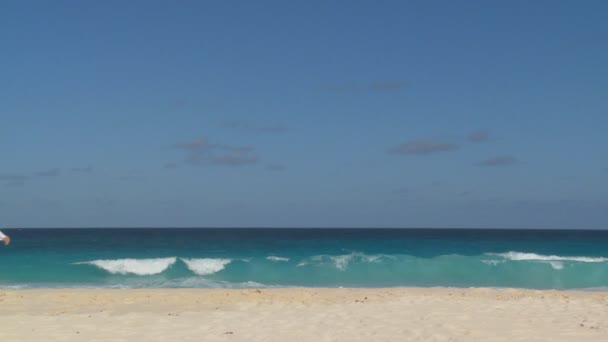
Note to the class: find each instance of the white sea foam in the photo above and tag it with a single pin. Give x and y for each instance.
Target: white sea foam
(341, 262)
(492, 262)
(208, 283)
(17, 287)
(133, 266)
(152, 283)
(206, 266)
(518, 256)
(598, 288)
(193, 282)
(557, 265)
(276, 258)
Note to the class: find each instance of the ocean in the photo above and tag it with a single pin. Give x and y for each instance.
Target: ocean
(265, 257)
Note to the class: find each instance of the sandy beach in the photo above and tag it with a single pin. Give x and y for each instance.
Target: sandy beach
(404, 314)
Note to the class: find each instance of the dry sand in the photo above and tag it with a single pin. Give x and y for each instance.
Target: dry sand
(303, 315)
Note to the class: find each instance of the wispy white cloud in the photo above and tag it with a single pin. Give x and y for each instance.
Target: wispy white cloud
(499, 161)
(249, 127)
(49, 173)
(88, 169)
(356, 87)
(201, 152)
(479, 136)
(13, 177)
(422, 147)
(386, 86)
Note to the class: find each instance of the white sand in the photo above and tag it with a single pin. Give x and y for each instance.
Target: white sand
(303, 315)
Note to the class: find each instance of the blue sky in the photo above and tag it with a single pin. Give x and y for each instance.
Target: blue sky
(310, 114)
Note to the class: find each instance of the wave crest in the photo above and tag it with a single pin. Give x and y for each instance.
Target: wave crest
(341, 262)
(206, 266)
(276, 258)
(133, 266)
(519, 256)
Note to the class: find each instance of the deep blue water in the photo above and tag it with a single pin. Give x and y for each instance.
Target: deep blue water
(176, 257)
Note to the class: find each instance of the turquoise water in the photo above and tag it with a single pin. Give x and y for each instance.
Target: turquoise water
(209, 258)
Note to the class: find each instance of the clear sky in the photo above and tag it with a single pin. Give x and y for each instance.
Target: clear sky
(304, 114)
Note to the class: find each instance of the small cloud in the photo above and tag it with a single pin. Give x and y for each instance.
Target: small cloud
(179, 103)
(47, 203)
(49, 173)
(401, 191)
(235, 158)
(193, 145)
(235, 125)
(275, 167)
(245, 126)
(385, 86)
(88, 169)
(356, 87)
(15, 183)
(128, 178)
(567, 178)
(342, 87)
(201, 152)
(422, 147)
(170, 165)
(182, 102)
(499, 161)
(272, 129)
(479, 136)
(13, 177)
(214, 104)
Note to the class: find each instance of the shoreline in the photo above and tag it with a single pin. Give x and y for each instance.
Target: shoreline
(17, 288)
(304, 314)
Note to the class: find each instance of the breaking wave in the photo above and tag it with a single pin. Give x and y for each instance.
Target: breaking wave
(341, 262)
(145, 267)
(206, 266)
(276, 258)
(519, 256)
(133, 266)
